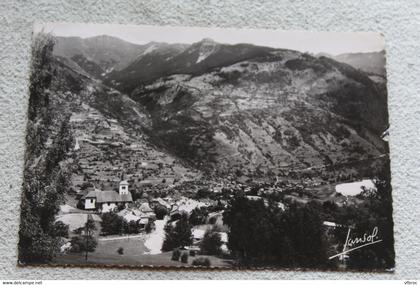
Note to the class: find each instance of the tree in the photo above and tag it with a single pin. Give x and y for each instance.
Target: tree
(37, 240)
(85, 241)
(112, 224)
(44, 185)
(41, 73)
(302, 226)
(60, 229)
(160, 212)
(198, 216)
(83, 244)
(131, 227)
(374, 211)
(177, 236)
(261, 234)
(247, 222)
(211, 243)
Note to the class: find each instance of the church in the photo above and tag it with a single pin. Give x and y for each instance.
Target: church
(106, 201)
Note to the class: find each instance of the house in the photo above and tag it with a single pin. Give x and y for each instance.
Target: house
(134, 215)
(332, 224)
(145, 211)
(145, 208)
(161, 202)
(105, 201)
(198, 235)
(224, 239)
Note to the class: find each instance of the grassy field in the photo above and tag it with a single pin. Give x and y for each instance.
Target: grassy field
(135, 253)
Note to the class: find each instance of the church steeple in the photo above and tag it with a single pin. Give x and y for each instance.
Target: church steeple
(123, 190)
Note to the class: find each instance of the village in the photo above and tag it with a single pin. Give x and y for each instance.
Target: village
(139, 237)
(124, 194)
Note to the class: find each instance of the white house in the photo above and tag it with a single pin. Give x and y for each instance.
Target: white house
(105, 201)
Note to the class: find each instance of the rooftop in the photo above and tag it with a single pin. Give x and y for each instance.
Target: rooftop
(108, 196)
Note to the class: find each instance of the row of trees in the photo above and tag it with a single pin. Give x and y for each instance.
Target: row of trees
(262, 234)
(112, 224)
(180, 235)
(375, 211)
(45, 180)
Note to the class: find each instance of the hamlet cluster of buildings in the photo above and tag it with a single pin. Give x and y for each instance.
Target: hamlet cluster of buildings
(110, 200)
(103, 201)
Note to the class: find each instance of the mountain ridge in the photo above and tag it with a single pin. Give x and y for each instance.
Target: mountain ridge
(226, 109)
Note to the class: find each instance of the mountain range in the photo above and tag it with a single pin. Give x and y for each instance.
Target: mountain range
(372, 63)
(235, 109)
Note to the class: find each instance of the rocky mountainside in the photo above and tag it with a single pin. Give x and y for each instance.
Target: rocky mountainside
(166, 59)
(244, 109)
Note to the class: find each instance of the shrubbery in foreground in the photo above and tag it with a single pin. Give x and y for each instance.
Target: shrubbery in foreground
(201, 261)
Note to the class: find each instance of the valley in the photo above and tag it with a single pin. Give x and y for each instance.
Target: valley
(143, 142)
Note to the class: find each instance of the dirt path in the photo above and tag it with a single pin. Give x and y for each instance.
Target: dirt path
(121, 237)
(155, 240)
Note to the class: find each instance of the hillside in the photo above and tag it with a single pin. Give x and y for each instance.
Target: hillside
(370, 62)
(98, 55)
(284, 110)
(167, 59)
(107, 129)
(246, 110)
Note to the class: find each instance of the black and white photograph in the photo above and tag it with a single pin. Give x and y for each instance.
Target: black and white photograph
(176, 147)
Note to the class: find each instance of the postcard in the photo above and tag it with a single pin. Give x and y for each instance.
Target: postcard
(207, 148)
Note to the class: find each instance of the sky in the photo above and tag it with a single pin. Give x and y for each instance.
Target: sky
(333, 43)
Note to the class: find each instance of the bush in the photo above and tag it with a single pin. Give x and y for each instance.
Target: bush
(120, 250)
(201, 261)
(81, 204)
(184, 257)
(176, 254)
(192, 252)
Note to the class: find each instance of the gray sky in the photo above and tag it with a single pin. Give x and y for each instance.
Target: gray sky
(314, 42)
